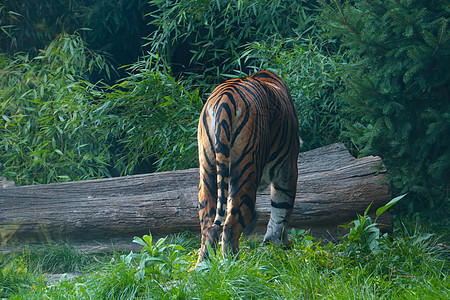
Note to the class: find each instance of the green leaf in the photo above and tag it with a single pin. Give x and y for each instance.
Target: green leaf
(42, 91)
(367, 209)
(389, 204)
(139, 241)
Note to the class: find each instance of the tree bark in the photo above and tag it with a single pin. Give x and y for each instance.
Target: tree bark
(332, 188)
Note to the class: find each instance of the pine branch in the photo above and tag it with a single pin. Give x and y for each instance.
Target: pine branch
(440, 38)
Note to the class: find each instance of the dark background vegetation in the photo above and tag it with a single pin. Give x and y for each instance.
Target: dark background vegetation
(93, 89)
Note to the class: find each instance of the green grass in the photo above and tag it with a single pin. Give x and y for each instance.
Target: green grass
(409, 265)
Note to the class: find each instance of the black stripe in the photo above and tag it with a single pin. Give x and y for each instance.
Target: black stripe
(282, 205)
(222, 169)
(202, 205)
(221, 147)
(211, 213)
(210, 181)
(205, 128)
(241, 220)
(226, 108)
(242, 124)
(283, 221)
(247, 200)
(290, 193)
(234, 190)
(237, 211)
(208, 162)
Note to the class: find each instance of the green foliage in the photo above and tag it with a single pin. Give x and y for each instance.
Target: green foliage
(56, 126)
(46, 128)
(206, 37)
(152, 118)
(56, 258)
(364, 235)
(32, 25)
(313, 79)
(409, 267)
(121, 282)
(14, 276)
(398, 88)
(160, 259)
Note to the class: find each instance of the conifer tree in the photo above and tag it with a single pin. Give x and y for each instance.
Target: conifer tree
(398, 88)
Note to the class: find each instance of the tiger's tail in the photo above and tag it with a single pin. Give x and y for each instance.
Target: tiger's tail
(222, 119)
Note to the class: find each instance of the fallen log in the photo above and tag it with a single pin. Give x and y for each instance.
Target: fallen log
(332, 188)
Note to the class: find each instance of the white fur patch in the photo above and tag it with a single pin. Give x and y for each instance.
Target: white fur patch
(212, 123)
(238, 113)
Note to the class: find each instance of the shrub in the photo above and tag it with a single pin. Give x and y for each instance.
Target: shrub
(397, 87)
(104, 25)
(152, 120)
(46, 127)
(57, 126)
(206, 37)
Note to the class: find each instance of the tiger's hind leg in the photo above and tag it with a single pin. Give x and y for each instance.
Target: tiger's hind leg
(240, 213)
(207, 197)
(283, 190)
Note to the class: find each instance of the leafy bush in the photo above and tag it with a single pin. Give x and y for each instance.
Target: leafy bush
(160, 260)
(56, 126)
(206, 37)
(364, 235)
(46, 127)
(32, 25)
(398, 88)
(313, 79)
(151, 118)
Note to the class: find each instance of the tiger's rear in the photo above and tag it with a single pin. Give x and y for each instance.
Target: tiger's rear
(247, 138)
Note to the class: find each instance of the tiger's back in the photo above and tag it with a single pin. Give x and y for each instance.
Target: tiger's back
(247, 137)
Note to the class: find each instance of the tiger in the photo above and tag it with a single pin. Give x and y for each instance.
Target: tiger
(248, 138)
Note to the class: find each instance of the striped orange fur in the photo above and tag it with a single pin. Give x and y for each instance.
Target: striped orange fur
(247, 138)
